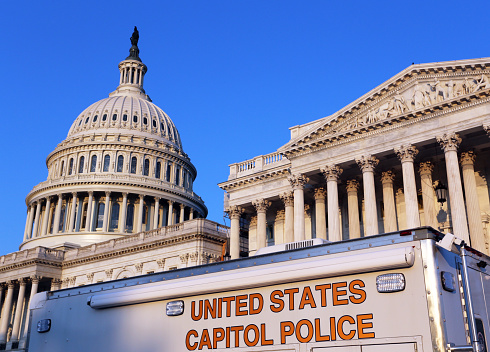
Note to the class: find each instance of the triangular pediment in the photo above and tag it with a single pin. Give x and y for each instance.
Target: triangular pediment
(418, 91)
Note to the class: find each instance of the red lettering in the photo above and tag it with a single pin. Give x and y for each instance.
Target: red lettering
(236, 330)
(318, 335)
(228, 301)
(210, 309)
(307, 298)
(260, 300)
(336, 293)
(193, 309)
(205, 341)
(277, 303)
(323, 290)
(239, 304)
(284, 332)
(359, 294)
(309, 336)
(255, 341)
(361, 325)
(340, 327)
(290, 292)
(263, 340)
(217, 338)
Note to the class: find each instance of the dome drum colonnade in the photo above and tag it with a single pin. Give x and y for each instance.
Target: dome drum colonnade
(465, 216)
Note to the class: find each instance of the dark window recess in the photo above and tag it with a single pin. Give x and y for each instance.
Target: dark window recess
(133, 165)
(161, 126)
(93, 163)
(146, 167)
(114, 117)
(125, 117)
(86, 120)
(145, 120)
(104, 117)
(158, 169)
(135, 118)
(120, 163)
(95, 117)
(81, 120)
(80, 166)
(155, 123)
(107, 161)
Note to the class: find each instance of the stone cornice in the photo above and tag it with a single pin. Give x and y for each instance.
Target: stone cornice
(272, 174)
(339, 138)
(142, 248)
(30, 262)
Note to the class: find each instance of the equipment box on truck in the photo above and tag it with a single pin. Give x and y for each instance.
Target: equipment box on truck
(415, 290)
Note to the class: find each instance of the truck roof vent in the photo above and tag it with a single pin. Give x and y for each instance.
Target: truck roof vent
(291, 245)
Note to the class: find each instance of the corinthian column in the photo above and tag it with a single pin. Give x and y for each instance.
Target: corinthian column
(7, 308)
(235, 212)
(261, 206)
(406, 154)
(72, 214)
(107, 207)
(34, 287)
(367, 165)
(88, 225)
(472, 204)
(387, 179)
(122, 213)
(353, 208)
(57, 214)
(140, 214)
(30, 219)
(18, 311)
(321, 223)
(182, 207)
(332, 174)
(288, 200)
(170, 220)
(36, 219)
(428, 194)
(156, 211)
(449, 143)
(297, 183)
(44, 227)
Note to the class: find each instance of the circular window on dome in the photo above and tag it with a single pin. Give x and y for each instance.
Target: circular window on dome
(95, 118)
(86, 120)
(125, 117)
(114, 117)
(104, 117)
(145, 120)
(135, 118)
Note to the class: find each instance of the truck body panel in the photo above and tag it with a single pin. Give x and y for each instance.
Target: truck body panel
(309, 299)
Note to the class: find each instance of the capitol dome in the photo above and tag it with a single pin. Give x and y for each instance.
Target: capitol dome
(121, 170)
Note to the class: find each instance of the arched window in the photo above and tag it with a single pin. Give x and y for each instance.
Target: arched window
(133, 165)
(130, 218)
(93, 163)
(62, 218)
(62, 170)
(135, 118)
(107, 162)
(100, 215)
(114, 117)
(120, 163)
(154, 123)
(114, 217)
(70, 167)
(146, 167)
(104, 117)
(168, 174)
(158, 169)
(95, 118)
(84, 216)
(125, 117)
(80, 166)
(145, 120)
(177, 175)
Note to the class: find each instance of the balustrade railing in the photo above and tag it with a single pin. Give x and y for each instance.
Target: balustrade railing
(259, 163)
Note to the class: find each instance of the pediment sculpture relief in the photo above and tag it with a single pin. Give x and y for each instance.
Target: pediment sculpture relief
(419, 96)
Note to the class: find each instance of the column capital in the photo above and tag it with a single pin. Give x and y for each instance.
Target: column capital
(35, 278)
(287, 198)
(352, 186)
(235, 211)
(182, 206)
(157, 199)
(449, 141)
(298, 181)
(367, 163)
(170, 202)
(387, 177)
(467, 158)
(10, 284)
(426, 168)
(261, 205)
(486, 127)
(107, 193)
(320, 193)
(125, 194)
(406, 153)
(74, 194)
(331, 172)
(90, 193)
(22, 281)
(141, 196)
(399, 192)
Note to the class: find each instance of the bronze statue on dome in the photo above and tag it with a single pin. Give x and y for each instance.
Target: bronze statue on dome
(134, 51)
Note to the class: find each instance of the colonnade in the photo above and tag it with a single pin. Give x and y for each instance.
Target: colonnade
(14, 316)
(102, 212)
(466, 216)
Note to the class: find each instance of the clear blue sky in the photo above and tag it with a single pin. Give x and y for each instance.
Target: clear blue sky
(232, 75)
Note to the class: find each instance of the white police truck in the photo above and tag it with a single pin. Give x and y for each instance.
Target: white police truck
(414, 290)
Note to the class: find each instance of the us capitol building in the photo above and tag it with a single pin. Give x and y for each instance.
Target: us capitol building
(118, 202)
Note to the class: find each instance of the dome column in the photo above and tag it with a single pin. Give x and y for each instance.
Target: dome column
(170, 213)
(36, 219)
(191, 214)
(30, 219)
(73, 211)
(26, 228)
(182, 209)
(107, 207)
(156, 213)
(44, 228)
(122, 213)
(88, 225)
(57, 214)
(140, 213)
